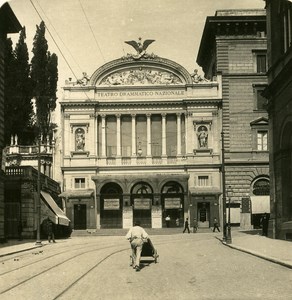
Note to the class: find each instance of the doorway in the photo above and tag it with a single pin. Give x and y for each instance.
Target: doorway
(80, 216)
(203, 215)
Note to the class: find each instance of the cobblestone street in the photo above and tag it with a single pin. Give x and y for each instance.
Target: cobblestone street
(195, 266)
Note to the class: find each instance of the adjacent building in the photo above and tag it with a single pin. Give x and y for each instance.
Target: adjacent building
(8, 24)
(234, 44)
(278, 93)
(141, 140)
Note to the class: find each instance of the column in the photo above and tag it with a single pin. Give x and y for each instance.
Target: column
(178, 138)
(186, 132)
(163, 134)
(103, 139)
(118, 135)
(149, 134)
(133, 134)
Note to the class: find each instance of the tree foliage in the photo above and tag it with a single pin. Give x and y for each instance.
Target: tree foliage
(18, 92)
(28, 85)
(44, 75)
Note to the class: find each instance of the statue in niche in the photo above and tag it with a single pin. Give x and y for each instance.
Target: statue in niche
(203, 137)
(79, 139)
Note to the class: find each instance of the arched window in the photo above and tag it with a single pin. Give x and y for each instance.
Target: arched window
(142, 188)
(172, 187)
(261, 187)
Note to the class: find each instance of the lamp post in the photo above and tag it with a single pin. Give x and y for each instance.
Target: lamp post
(38, 217)
(223, 187)
(228, 236)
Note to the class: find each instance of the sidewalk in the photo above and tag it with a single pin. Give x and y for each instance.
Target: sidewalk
(276, 251)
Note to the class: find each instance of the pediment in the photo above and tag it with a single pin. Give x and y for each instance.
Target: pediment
(260, 121)
(142, 72)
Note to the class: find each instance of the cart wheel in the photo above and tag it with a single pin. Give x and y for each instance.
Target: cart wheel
(155, 256)
(131, 261)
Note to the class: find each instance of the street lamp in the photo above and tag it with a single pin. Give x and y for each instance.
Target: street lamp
(223, 189)
(228, 235)
(38, 216)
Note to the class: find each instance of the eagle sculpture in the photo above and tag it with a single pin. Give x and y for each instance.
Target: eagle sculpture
(139, 47)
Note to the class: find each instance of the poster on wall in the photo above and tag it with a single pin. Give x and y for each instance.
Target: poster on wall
(111, 204)
(172, 203)
(142, 203)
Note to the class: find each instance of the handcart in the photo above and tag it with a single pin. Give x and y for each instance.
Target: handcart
(148, 251)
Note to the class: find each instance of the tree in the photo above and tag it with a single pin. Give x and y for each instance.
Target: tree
(9, 94)
(18, 104)
(44, 75)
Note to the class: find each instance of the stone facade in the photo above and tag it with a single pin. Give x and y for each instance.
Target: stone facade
(8, 24)
(238, 52)
(279, 98)
(141, 140)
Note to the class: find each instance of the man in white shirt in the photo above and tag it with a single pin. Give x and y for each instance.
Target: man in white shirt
(136, 235)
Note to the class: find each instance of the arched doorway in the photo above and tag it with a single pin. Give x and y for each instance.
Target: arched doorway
(111, 206)
(260, 199)
(141, 201)
(172, 200)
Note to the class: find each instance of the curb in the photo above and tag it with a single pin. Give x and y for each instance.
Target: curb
(21, 250)
(273, 260)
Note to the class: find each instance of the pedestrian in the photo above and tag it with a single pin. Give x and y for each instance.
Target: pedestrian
(186, 225)
(265, 224)
(51, 231)
(177, 222)
(216, 225)
(137, 236)
(195, 225)
(167, 221)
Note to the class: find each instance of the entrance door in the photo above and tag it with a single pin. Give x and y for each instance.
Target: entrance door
(203, 215)
(144, 216)
(80, 216)
(12, 216)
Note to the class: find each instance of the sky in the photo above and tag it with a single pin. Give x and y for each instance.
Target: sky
(85, 34)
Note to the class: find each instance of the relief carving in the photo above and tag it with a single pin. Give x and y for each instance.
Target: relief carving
(142, 77)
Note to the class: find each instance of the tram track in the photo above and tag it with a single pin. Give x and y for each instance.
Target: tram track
(65, 251)
(55, 266)
(58, 265)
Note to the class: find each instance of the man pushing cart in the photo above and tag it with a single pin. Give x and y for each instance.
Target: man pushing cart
(137, 237)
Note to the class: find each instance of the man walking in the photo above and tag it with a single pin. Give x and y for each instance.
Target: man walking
(187, 225)
(51, 230)
(216, 225)
(136, 235)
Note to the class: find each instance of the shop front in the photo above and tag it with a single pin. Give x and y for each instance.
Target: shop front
(123, 201)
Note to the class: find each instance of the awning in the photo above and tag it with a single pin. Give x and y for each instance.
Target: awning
(82, 193)
(260, 204)
(62, 218)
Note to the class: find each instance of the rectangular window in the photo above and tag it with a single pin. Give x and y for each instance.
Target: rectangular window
(262, 140)
(260, 100)
(79, 183)
(203, 180)
(261, 60)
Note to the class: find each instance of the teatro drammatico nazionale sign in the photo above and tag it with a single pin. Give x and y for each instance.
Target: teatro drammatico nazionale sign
(170, 203)
(175, 93)
(111, 204)
(142, 203)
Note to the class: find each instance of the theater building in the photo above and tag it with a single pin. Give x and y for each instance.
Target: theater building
(141, 140)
